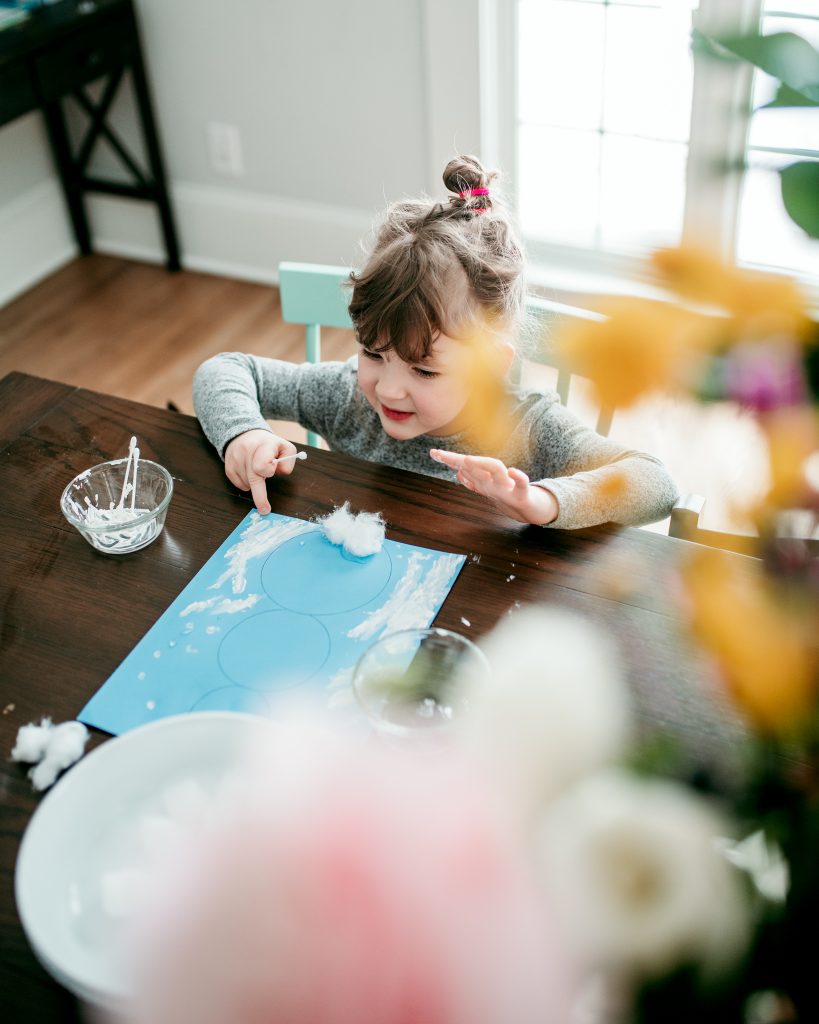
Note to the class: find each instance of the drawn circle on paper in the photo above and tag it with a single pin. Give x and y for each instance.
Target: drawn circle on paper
(274, 650)
(308, 574)
(233, 698)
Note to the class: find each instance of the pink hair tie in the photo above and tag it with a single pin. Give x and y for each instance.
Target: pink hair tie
(474, 192)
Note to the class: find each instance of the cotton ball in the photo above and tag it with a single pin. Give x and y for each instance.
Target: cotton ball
(159, 836)
(32, 741)
(554, 708)
(366, 535)
(122, 892)
(337, 524)
(186, 802)
(66, 744)
(360, 535)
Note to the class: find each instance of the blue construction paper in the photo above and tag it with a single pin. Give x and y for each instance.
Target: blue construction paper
(276, 610)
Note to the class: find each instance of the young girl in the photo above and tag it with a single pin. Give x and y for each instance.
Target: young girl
(436, 309)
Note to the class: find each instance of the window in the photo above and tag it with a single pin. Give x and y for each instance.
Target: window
(766, 235)
(621, 136)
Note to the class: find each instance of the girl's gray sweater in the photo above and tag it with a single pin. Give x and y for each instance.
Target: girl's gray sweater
(233, 393)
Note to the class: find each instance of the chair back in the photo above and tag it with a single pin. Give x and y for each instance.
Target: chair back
(795, 528)
(314, 295)
(684, 524)
(545, 317)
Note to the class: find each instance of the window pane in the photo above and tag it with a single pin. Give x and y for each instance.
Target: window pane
(767, 235)
(648, 72)
(785, 127)
(559, 184)
(561, 62)
(664, 4)
(642, 193)
(806, 7)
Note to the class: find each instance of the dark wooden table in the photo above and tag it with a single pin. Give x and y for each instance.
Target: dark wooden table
(70, 614)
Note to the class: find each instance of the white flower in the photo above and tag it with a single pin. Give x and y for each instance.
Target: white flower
(764, 862)
(634, 865)
(554, 709)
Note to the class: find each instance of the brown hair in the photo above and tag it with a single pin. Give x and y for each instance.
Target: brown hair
(436, 267)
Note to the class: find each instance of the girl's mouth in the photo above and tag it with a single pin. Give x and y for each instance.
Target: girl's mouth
(395, 414)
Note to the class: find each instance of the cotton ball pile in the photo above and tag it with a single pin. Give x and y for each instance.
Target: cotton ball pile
(50, 748)
(152, 840)
(359, 534)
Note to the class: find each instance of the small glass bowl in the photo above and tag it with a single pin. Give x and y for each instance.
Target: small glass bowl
(91, 504)
(411, 682)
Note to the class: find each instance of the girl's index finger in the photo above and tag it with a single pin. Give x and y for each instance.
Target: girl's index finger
(451, 459)
(258, 489)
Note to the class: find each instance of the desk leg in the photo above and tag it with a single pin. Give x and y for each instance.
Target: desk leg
(143, 98)
(72, 189)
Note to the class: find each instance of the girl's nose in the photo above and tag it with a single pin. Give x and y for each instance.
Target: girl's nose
(391, 382)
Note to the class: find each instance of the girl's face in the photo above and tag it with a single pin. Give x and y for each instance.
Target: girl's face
(412, 399)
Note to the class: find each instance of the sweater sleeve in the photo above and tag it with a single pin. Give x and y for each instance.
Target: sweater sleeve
(233, 392)
(596, 480)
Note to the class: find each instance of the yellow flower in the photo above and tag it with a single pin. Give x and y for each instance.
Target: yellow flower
(792, 435)
(611, 485)
(641, 346)
(759, 305)
(483, 363)
(764, 645)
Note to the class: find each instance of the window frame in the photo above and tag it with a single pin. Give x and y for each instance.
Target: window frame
(721, 110)
(470, 86)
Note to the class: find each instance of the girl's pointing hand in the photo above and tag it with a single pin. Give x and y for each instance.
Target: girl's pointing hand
(510, 489)
(250, 459)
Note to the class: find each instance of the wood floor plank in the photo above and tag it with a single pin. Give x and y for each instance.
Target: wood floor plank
(133, 330)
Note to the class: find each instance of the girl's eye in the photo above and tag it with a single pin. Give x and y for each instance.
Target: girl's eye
(426, 374)
(371, 355)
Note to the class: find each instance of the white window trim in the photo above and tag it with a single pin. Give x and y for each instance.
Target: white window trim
(718, 134)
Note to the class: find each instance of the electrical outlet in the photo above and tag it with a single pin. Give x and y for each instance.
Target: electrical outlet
(225, 149)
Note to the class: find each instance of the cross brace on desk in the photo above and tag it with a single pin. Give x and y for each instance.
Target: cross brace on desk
(55, 54)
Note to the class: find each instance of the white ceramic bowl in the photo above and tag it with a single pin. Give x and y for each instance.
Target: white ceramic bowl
(83, 833)
(90, 503)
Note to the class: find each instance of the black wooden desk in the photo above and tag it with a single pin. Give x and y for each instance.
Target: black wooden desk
(56, 53)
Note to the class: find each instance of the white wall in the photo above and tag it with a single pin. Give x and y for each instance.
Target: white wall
(341, 107)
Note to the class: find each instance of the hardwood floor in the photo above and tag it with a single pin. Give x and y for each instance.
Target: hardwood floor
(134, 330)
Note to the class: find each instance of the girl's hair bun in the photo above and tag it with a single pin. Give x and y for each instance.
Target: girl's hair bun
(464, 173)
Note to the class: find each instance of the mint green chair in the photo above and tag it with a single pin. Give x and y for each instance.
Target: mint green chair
(544, 316)
(314, 295)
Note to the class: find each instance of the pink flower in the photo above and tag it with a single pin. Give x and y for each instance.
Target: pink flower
(765, 376)
(352, 883)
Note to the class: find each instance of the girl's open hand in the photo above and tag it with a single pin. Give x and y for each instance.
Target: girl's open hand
(508, 488)
(250, 460)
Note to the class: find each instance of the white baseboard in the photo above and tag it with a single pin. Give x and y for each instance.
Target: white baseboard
(221, 231)
(35, 238)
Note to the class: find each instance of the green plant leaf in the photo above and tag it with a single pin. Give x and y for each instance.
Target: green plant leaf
(800, 194)
(784, 55)
(787, 97)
